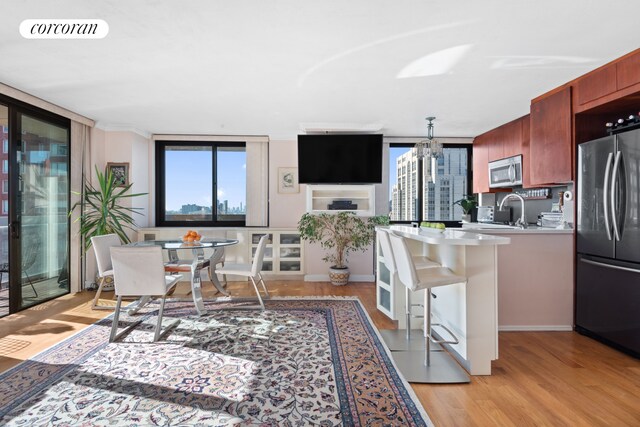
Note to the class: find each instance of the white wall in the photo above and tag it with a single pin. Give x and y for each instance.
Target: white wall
(286, 209)
(122, 147)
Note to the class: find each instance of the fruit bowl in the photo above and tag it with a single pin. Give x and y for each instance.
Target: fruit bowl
(191, 236)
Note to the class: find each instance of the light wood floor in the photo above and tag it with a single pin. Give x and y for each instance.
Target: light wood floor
(541, 378)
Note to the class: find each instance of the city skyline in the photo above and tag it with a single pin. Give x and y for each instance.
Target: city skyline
(184, 167)
(438, 197)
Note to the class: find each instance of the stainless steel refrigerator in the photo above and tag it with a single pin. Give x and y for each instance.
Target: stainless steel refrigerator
(608, 241)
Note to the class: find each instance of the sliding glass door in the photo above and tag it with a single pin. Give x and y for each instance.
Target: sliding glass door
(34, 203)
(4, 210)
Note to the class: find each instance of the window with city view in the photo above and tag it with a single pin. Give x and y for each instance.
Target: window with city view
(413, 196)
(190, 174)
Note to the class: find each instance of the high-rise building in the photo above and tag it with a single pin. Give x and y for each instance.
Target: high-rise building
(438, 197)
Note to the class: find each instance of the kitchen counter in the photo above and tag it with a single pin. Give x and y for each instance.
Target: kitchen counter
(469, 309)
(535, 278)
(475, 227)
(450, 236)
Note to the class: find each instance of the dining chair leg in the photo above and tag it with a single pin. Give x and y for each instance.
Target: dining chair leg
(255, 286)
(116, 318)
(115, 335)
(264, 286)
(142, 301)
(156, 334)
(95, 304)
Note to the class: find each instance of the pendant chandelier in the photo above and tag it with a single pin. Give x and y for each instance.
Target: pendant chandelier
(429, 147)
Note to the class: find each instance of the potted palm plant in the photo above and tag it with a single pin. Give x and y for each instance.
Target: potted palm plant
(468, 203)
(102, 211)
(339, 234)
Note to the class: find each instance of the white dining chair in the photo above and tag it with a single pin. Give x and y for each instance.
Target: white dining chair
(139, 271)
(101, 246)
(399, 339)
(252, 271)
(427, 279)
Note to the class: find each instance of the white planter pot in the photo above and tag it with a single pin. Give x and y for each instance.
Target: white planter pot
(339, 276)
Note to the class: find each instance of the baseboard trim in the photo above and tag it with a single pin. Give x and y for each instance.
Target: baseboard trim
(352, 278)
(535, 328)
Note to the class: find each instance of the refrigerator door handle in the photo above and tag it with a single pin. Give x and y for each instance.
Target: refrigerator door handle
(605, 196)
(614, 184)
(614, 267)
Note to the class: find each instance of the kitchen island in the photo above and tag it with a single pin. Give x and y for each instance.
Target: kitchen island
(535, 278)
(469, 309)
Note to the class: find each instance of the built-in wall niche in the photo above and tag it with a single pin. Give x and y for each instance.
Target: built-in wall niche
(335, 198)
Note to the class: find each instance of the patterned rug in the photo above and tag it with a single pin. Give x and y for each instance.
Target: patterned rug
(300, 362)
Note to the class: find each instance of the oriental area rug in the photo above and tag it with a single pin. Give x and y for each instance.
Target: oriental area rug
(300, 362)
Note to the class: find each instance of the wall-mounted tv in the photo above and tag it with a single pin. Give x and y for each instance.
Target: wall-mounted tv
(340, 159)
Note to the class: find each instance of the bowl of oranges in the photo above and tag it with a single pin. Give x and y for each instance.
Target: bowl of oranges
(191, 236)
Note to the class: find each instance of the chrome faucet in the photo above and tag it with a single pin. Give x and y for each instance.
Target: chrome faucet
(522, 222)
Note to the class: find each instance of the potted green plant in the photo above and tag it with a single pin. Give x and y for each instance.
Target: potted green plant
(339, 234)
(102, 211)
(468, 203)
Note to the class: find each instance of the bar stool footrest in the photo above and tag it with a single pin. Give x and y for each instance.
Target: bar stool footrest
(454, 339)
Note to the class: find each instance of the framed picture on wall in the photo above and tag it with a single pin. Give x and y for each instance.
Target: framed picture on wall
(288, 180)
(120, 172)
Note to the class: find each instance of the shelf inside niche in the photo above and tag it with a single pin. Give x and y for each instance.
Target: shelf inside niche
(320, 196)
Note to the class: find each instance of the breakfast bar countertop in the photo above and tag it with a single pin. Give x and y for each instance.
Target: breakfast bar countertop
(450, 236)
(475, 227)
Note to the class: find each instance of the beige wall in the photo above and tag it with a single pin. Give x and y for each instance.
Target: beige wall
(284, 209)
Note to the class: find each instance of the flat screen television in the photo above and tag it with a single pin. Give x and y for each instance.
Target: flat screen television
(340, 159)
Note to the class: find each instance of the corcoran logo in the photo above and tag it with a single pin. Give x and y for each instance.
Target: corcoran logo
(64, 29)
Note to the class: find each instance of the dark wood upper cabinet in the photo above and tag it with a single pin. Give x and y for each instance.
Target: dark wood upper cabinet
(628, 71)
(550, 148)
(525, 127)
(596, 84)
(512, 138)
(480, 164)
(494, 141)
(504, 141)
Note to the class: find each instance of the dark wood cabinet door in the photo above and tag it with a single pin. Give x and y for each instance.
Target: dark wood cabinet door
(480, 164)
(512, 138)
(525, 127)
(596, 84)
(494, 140)
(550, 151)
(628, 71)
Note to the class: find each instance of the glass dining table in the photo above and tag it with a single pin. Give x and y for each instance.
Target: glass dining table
(173, 247)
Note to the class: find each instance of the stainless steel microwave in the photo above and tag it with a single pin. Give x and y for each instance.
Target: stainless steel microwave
(505, 172)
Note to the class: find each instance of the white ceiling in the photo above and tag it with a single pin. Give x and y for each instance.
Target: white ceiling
(263, 67)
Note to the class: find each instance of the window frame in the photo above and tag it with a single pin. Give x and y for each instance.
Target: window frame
(419, 173)
(161, 181)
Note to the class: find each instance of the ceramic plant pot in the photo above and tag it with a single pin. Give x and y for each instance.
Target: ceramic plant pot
(339, 276)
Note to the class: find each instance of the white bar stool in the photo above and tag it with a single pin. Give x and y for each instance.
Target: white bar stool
(402, 339)
(439, 367)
